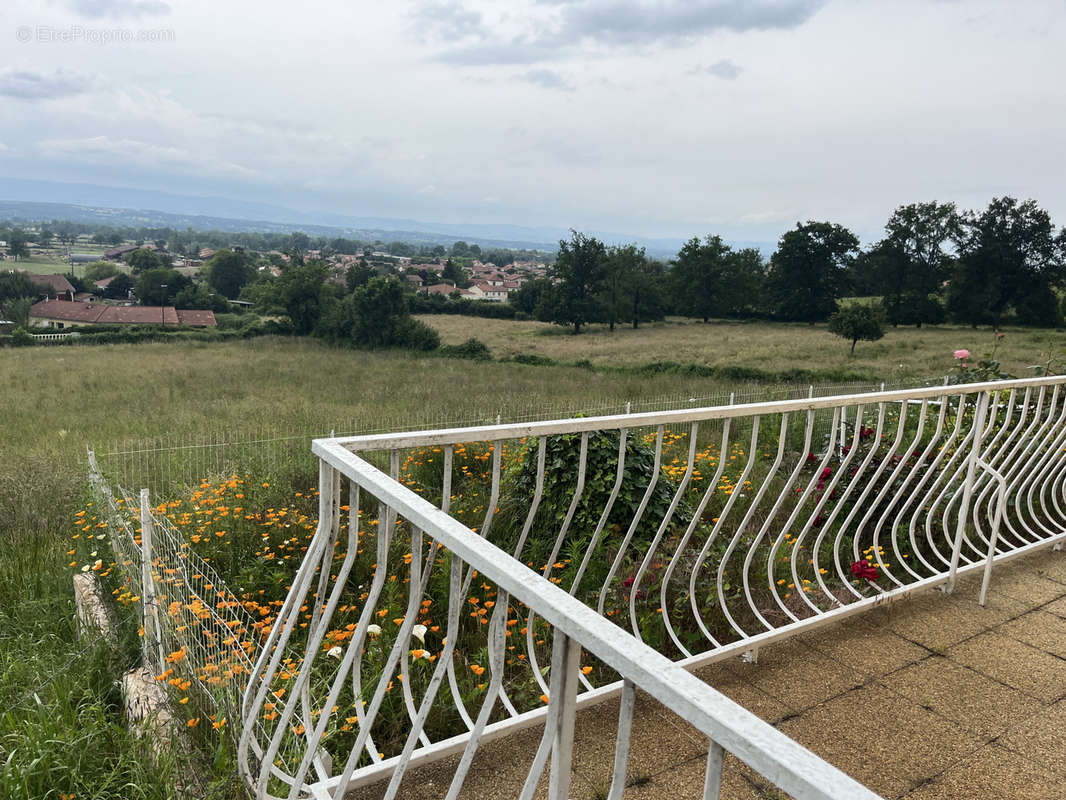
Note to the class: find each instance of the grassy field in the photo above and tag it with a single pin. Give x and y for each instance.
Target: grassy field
(61, 732)
(904, 354)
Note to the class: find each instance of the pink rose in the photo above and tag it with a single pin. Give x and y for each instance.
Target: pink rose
(962, 354)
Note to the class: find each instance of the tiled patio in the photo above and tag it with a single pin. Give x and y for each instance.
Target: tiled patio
(930, 698)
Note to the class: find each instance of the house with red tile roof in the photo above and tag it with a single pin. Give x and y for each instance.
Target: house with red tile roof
(63, 314)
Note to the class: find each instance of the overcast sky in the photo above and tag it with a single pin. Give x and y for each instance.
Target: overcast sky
(668, 118)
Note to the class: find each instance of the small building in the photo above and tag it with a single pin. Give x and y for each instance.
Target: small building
(444, 289)
(6, 326)
(55, 285)
(61, 314)
(117, 253)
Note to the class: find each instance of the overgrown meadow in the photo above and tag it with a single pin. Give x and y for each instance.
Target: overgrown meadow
(62, 734)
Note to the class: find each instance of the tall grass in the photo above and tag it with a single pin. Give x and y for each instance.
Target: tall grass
(905, 354)
(68, 738)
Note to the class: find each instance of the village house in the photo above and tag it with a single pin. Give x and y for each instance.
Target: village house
(55, 285)
(61, 314)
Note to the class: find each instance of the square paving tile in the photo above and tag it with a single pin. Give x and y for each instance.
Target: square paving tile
(897, 731)
(967, 698)
(933, 623)
(797, 675)
(846, 755)
(1040, 629)
(992, 773)
(686, 780)
(1040, 738)
(1052, 566)
(1023, 584)
(871, 651)
(1056, 607)
(1018, 665)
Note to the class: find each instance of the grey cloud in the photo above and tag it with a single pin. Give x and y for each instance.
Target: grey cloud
(719, 69)
(546, 79)
(23, 84)
(634, 23)
(449, 21)
(119, 8)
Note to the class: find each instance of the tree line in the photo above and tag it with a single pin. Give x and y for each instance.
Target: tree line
(934, 263)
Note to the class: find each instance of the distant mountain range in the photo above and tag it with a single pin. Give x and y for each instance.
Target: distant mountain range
(40, 201)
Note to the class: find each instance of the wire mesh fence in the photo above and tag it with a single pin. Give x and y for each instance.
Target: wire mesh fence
(197, 635)
(174, 464)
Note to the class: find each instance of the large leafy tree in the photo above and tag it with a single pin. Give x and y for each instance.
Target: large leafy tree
(621, 267)
(646, 292)
(301, 290)
(701, 277)
(228, 271)
(158, 287)
(1009, 256)
(913, 260)
(809, 270)
(580, 271)
(17, 244)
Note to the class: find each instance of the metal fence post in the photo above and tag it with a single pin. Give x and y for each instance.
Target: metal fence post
(152, 641)
(967, 487)
(564, 692)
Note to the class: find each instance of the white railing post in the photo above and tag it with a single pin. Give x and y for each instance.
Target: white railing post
(967, 487)
(712, 781)
(564, 691)
(152, 641)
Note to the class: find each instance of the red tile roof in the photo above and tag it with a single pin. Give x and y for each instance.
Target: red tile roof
(99, 314)
(56, 283)
(197, 319)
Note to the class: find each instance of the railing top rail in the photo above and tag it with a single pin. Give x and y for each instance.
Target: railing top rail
(394, 441)
(773, 754)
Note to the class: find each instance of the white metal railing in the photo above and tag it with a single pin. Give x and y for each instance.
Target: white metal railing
(418, 625)
(54, 337)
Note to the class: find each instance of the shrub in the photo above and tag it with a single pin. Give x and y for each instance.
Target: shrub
(20, 337)
(472, 348)
(416, 335)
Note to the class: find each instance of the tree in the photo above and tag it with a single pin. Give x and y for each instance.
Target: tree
(301, 290)
(17, 244)
(580, 272)
(46, 237)
(912, 261)
(17, 310)
(454, 274)
(143, 259)
(119, 288)
(228, 271)
(99, 270)
(15, 285)
(857, 322)
(646, 292)
(158, 287)
(809, 270)
(1009, 256)
(619, 273)
(536, 298)
(700, 277)
(357, 275)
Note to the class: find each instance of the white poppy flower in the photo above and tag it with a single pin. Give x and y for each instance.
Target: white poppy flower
(419, 632)
(373, 631)
(335, 652)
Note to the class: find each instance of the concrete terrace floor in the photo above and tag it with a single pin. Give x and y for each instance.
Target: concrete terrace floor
(930, 698)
